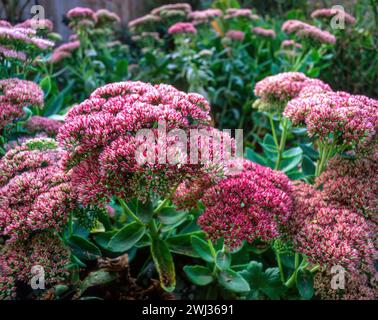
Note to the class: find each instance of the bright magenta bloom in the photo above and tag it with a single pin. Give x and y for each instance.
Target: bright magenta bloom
(247, 205)
(48, 126)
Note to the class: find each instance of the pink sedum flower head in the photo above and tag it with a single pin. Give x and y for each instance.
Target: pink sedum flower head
(107, 18)
(35, 194)
(290, 44)
(306, 31)
(330, 13)
(352, 183)
(233, 13)
(182, 28)
(147, 23)
(275, 91)
(329, 234)
(81, 13)
(101, 138)
(48, 126)
(247, 205)
(266, 33)
(235, 35)
(17, 259)
(186, 7)
(335, 117)
(16, 94)
(40, 24)
(204, 16)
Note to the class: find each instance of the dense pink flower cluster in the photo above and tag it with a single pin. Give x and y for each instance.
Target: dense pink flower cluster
(204, 16)
(290, 44)
(106, 18)
(35, 194)
(247, 205)
(330, 13)
(101, 137)
(267, 33)
(41, 24)
(182, 27)
(233, 13)
(148, 19)
(304, 30)
(21, 43)
(81, 13)
(358, 286)
(352, 183)
(275, 91)
(329, 234)
(17, 260)
(16, 94)
(12, 54)
(235, 35)
(186, 7)
(336, 117)
(64, 51)
(37, 124)
(5, 23)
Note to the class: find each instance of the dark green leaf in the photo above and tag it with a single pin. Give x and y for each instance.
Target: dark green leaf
(233, 281)
(127, 237)
(305, 284)
(83, 248)
(203, 249)
(223, 260)
(164, 264)
(199, 275)
(169, 215)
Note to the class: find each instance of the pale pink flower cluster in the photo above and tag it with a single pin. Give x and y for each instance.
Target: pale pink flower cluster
(106, 18)
(12, 54)
(21, 43)
(100, 135)
(275, 91)
(352, 183)
(328, 234)
(247, 205)
(290, 44)
(37, 124)
(43, 24)
(336, 117)
(233, 13)
(81, 13)
(64, 51)
(16, 94)
(358, 286)
(17, 259)
(204, 16)
(235, 35)
(267, 33)
(182, 28)
(148, 19)
(330, 13)
(304, 30)
(35, 194)
(5, 23)
(186, 7)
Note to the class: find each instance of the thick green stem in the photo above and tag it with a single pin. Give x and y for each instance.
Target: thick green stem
(280, 266)
(281, 147)
(326, 152)
(128, 211)
(293, 278)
